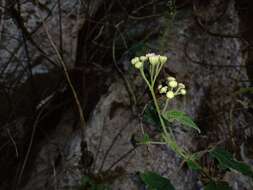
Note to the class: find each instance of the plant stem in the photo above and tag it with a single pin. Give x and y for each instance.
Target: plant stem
(166, 105)
(168, 136)
(159, 112)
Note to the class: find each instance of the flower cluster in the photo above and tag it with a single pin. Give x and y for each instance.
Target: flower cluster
(153, 59)
(172, 88)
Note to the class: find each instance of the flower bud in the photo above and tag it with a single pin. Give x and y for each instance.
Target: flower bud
(183, 91)
(171, 79)
(159, 86)
(154, 60)
(150, 54)
(173, 84)
(163, 59)
(181, 85)
(138, 65)
(135, 60)
(143, 58)
(163, 89)
(170, 94)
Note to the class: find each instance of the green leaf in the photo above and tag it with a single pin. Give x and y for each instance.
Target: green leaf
(180, 117)
(217, 186)
(86, 182)
(244, 91)
(150, 116)
(145, 139)
(226, 160)
(156, 182)
(101, 187)
(193, 165)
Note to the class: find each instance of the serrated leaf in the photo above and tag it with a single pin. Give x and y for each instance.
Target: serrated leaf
(180, 117)
(217, 186)
(156, 182)
(226, 160)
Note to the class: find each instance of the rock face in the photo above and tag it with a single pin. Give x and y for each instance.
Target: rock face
(207, 56)
(56, 164)
(109, 137)
(212, 72)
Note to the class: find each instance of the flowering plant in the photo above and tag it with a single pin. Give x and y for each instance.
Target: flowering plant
(170, 90)
(153, 64)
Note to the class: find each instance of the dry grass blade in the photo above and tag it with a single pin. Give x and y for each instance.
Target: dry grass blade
(61, 61)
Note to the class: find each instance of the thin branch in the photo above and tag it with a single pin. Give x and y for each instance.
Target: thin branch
(60, 27)
(110, 147)
(34, 127)
(13, 142)
(60, 59)
(120, 159)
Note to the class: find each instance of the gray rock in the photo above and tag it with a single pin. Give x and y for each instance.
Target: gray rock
(207, 64)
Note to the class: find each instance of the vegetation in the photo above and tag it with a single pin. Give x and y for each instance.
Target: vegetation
(85, 105)
(152, 64)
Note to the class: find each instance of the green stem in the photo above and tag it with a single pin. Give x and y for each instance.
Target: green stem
(144, 77)
(153, 142)
(166, 105)
(168, 136)
(157, 71)
(158, 111)
(151, 71)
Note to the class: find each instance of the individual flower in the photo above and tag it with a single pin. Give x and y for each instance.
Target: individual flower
(143, 58)
(181, 85)
(150, 54)
(135, 60)
(154, 60)
(159, 86)
(163, 59)
(171, 79)
(138, 65)
(163, 90)
(183, 91)
(173, 83)
(170, 94)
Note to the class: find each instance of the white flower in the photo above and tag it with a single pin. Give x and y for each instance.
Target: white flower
(143, 58)
(163, 59)
(181, 85)
(163, 89)
(138, 65)
(150, 54)
(183, 91)
(135, 60)
(171, 79)
(170, 94)
(173, 83)
(154, 60)
(159, 86)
